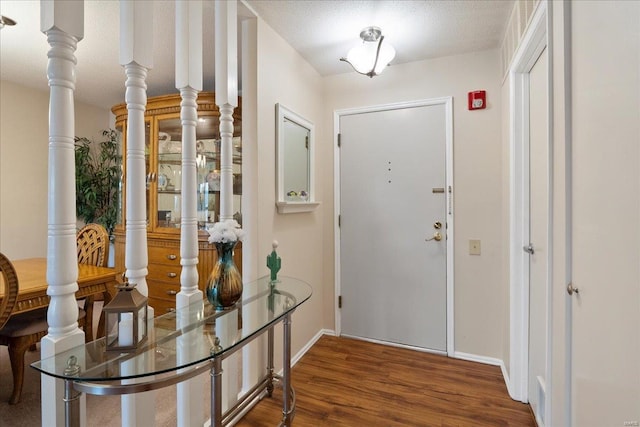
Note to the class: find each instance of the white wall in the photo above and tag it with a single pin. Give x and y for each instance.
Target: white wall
(478, 190)
(24, 150)
(284, 77)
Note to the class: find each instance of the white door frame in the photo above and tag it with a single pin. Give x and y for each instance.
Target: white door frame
(533, 43)
(448, 103)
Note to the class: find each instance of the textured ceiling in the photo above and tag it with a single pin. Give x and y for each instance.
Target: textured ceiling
(99, 76)
(322, 31)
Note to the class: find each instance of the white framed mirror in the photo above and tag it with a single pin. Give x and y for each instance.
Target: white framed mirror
(295, 140)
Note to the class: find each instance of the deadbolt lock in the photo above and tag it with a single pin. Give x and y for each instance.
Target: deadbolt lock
(437, 225)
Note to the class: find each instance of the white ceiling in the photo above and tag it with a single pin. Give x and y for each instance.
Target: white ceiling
(322, 31)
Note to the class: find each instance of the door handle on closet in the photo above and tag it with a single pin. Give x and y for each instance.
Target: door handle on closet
(571, 289)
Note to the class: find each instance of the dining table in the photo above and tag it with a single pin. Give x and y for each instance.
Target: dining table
(32, 281)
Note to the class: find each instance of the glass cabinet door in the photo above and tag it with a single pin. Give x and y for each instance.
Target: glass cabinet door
(120, 210)
(208, 176)
(147, 163)
(169, 172)
(208, 179)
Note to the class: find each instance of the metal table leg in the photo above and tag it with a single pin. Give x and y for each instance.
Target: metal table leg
(270, 362)
(71, 396)
(287, 407)
(216, 392)
(71, 405)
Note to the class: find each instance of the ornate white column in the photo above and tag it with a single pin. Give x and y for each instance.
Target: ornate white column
(62, 22)
(189, 82)
(136, 55)
(226, 59)
(190, 406)
(226, 55)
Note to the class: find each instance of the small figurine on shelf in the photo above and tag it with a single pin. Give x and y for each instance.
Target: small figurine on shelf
(274, 262)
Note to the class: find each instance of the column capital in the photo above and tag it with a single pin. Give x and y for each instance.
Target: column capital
(66, 16)
(136, 33)
(189, 44)
(226, 53)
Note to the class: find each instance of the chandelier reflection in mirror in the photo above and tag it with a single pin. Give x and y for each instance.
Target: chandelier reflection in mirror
(371, 56)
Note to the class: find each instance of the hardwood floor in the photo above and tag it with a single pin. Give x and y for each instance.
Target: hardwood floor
(347, 382)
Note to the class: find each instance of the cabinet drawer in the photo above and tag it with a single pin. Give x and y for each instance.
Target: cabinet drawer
(164, 255)
(165, 273)
(161, 306)
(162, 290)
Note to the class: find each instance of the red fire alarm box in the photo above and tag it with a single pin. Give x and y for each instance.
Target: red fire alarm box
(477, 100)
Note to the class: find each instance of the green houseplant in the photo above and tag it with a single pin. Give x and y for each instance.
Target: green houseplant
(98, 172)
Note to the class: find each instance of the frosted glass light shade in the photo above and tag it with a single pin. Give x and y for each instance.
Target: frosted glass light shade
(387, 53)
(363, 56)
(371, 56)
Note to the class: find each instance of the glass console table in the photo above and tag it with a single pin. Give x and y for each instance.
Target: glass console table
(185, 343)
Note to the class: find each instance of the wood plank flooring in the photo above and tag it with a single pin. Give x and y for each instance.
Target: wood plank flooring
(347, 382)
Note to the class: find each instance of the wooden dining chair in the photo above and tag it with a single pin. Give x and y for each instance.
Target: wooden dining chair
(19, 331)
(92, 243)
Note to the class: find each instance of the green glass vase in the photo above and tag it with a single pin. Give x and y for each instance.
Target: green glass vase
(224, 285)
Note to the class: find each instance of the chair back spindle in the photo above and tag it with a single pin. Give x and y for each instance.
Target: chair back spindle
(93, 245)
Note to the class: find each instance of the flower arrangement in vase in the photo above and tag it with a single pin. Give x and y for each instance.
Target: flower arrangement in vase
(224, 285)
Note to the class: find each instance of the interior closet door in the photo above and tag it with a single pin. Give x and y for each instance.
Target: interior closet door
(392, 182)
(606, 213)
(538, 233)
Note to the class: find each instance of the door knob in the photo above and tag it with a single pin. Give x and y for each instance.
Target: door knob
(571, 289)
(436, 236)
(529, 249)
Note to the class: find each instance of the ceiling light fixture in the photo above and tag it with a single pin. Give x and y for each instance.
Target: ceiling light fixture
(371, 56)
(4, 20)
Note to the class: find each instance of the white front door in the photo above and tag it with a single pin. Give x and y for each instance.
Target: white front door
(538, 233)
(605, 356)
(392, 199)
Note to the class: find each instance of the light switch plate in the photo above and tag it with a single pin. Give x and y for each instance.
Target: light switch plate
(474, 247)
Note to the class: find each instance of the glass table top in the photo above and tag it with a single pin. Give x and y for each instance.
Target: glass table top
(187, 337)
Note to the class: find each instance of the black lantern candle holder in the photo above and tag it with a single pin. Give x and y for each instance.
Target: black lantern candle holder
(126, 319)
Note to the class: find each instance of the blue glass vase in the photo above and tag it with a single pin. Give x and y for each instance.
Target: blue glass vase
(224, 285)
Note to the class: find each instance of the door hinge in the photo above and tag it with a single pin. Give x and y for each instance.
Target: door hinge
(339, 220)
(339, 140)
(306, 142)
(340, 301)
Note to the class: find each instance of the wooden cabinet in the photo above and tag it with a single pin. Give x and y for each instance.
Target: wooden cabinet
(163, 162)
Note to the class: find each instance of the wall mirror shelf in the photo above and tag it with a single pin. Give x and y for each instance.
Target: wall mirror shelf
(295, 140)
